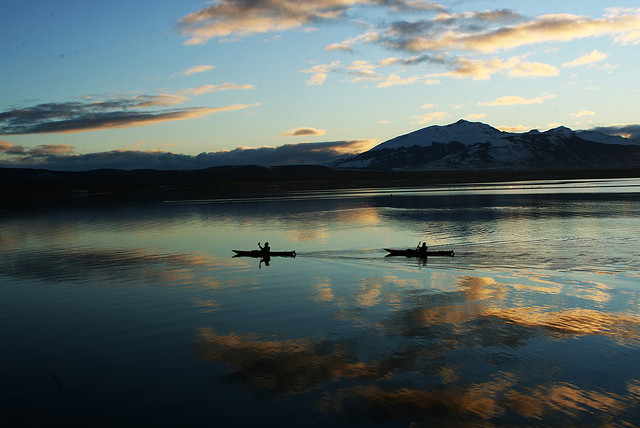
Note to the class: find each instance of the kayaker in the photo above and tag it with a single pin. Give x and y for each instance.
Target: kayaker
(266, 254)
(266, 250)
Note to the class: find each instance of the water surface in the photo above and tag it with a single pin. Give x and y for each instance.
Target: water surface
(139, 314)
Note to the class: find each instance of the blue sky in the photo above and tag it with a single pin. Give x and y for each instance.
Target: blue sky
(328, 76)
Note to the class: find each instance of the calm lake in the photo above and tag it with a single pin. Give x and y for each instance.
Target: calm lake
(139, 315)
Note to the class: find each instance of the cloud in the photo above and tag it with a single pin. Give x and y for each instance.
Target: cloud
(514, 128)
(361, 65)
(412, 60)
(244, 17)
(515, 67)
(437, 39)
(11, 149)
(552, 28)
(583, 113)
(532, 69)
(395, 80)
(631, 131)
(458, 32)
(62, 157)
(476, 116)
(320, 72)
(298, 132)
(198, 69)
(347, 45)
(46, 150)
(511, 100)
(339, 47)
(392, 60)
(366, 75)
(366, 71)
(430, 117)
(317, 79)
(363, 71)
(91, 115)
(445, 31)
(205, 89)
(40, 151)
(289, 154)
(591, 58)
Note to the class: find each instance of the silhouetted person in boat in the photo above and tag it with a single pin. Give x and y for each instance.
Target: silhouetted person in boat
(266, 250)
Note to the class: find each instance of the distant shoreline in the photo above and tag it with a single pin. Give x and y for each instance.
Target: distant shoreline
(29, 186)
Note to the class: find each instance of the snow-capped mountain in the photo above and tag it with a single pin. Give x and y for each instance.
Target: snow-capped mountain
(466, 133)
(478, 146)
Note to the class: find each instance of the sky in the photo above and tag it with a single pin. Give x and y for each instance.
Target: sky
(190, 84)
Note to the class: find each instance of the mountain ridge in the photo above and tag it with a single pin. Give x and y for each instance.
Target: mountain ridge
(467, 145)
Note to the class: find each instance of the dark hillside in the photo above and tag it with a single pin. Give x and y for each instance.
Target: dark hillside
(39, 185)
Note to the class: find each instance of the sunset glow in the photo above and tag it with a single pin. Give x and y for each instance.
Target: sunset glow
(215, 77)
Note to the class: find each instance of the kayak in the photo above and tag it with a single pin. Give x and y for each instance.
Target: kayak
(409, 252)
(259, 253)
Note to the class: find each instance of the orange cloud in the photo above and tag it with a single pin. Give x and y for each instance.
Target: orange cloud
(430, 117)
(584, 113)
(227, 17)
(545, 28)
(198, 69)
(145, 101)
(51, 149)
(590, 58)
(515, 67)
(10, 148)
(510, 100)
(304, 131)
(347, 45)
(514, 128)
(320, 72)
(205, 89)
(78, 117)
(395, 80)
(476, 116)
(40, 151)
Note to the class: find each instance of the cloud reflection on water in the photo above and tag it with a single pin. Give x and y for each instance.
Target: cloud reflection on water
(121, 265)
(480, 403)
(297, 366)
(289, 366)
(438, 357)
(573, 322)
(484, 299)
